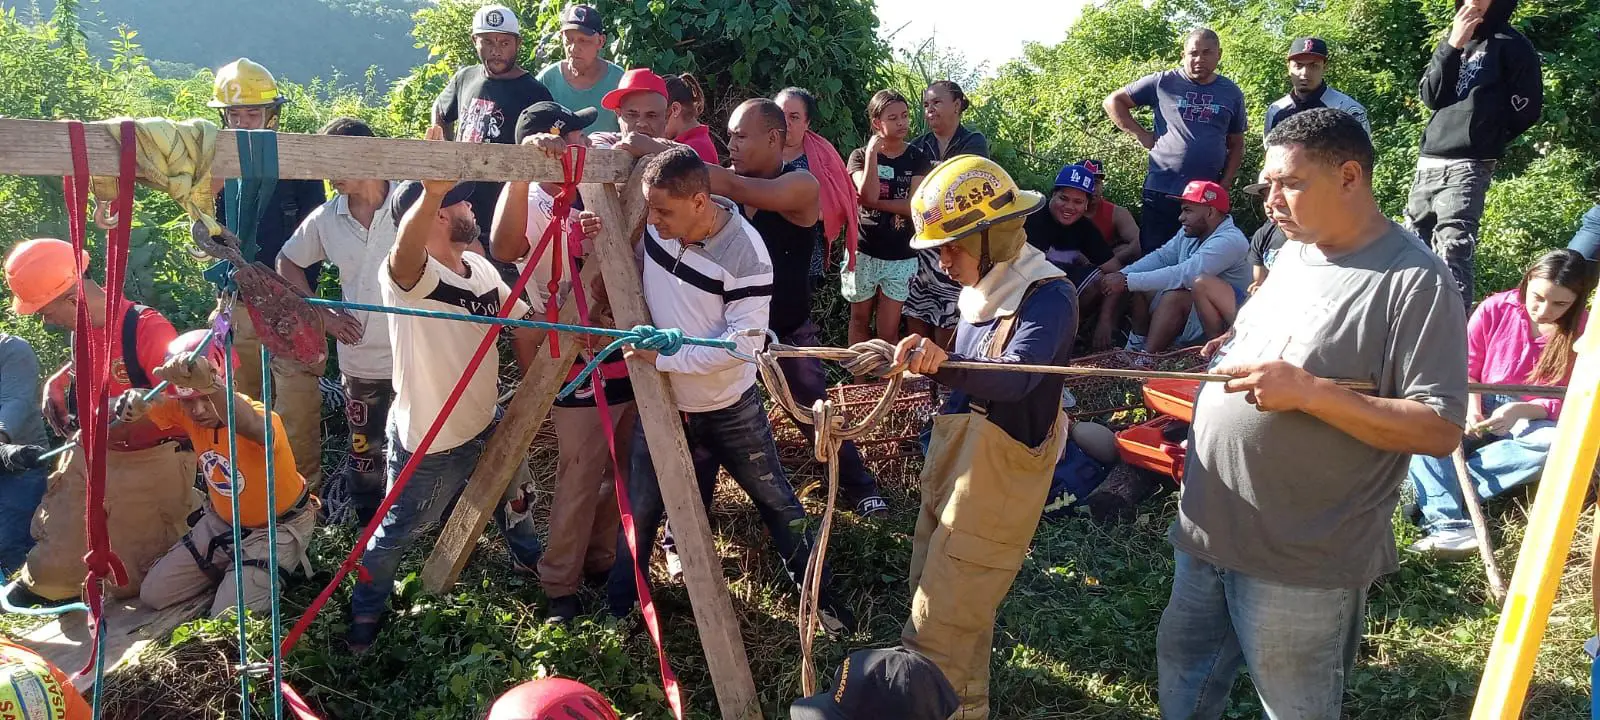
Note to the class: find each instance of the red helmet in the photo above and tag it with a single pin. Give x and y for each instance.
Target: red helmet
(552, 699)
(185, 344)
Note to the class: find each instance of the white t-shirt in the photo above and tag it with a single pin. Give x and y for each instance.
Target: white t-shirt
(540, 208)
(331, 234)
(431, 353)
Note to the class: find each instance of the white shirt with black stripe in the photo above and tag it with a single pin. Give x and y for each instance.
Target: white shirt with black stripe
(430, 354)
(716, 288)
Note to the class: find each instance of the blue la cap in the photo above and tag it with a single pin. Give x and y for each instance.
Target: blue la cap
(1076, 177)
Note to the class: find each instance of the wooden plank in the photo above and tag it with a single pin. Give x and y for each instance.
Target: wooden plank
(40, 147)
(720, 638)
(506, 447)
(130, 627)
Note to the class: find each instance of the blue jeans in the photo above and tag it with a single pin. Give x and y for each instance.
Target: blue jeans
(1444, 209)
(1499, 465)
(427, 498)
(1587, 239)
(738, 438)
(1298, 642)
(20, 494)
(1158, 220)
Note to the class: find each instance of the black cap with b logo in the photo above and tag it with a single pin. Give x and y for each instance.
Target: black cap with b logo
(1308, 47)
(547, 116)
(882, 683)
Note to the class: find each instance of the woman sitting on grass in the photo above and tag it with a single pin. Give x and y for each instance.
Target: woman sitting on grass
(1521, 336)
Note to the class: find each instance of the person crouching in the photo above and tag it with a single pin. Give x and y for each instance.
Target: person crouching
(196, 401)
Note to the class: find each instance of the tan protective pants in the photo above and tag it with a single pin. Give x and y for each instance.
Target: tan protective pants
(583, 514)
(982, 495)
(177, 577)
(296, 396)
(149, 495)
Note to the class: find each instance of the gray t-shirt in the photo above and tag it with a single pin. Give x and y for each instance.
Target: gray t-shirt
(20, 418)
(1284, 496)
(1192, 125)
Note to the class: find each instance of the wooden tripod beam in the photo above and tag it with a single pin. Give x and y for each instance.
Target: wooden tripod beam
(39, 147)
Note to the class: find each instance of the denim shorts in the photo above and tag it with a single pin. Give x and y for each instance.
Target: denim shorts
(871, 275)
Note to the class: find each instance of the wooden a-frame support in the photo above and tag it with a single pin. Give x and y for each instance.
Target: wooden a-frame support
(34, 147)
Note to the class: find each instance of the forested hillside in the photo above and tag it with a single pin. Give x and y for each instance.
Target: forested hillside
(301, 39)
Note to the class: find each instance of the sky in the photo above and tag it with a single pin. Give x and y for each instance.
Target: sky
(994, 35)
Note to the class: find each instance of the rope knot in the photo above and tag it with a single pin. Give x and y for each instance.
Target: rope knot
(874, 357)
(667, 341)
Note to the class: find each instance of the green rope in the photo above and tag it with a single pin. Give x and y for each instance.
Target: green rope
(238, 538)
(667, 341)
(272, 535)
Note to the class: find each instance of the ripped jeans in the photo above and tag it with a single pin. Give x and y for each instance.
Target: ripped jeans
(739, 438)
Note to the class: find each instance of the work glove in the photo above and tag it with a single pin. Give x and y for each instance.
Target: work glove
(197, 374)
(17, 458)
(130, 406)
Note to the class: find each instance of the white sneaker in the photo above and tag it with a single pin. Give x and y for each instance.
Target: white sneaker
(1068, 400)
(674, 566)
(1448, 543)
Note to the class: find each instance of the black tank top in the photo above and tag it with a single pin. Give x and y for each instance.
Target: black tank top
(790, 247)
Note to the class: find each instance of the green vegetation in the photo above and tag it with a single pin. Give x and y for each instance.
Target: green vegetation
(1076, 638)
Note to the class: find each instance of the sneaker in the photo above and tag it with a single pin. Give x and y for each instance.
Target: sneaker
(871, 506)
(1135, 343)
(1447, 543)
(674, 565)
(362, 634)
(1068, 400)
(563, 610)
(836, 619)
(22, 597)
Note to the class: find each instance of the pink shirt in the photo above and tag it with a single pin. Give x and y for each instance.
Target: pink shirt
(1504, 347)
(699, 138)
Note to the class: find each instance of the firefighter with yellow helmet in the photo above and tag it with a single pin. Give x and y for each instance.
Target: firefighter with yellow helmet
(997, 439)
(249, 98)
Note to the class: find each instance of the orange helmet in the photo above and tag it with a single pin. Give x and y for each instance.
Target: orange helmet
(552, 699)
(39, 271)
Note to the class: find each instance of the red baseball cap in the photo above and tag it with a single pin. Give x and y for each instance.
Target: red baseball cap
(635, 80)
(1205, 192)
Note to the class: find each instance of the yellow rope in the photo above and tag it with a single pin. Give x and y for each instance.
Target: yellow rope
(174, 157)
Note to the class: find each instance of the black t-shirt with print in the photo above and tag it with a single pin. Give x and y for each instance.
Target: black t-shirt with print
(1264, 244)
(887, 236)
(485, 109)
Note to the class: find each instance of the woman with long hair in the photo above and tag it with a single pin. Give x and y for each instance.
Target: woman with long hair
(1523, 336)
(685, 103)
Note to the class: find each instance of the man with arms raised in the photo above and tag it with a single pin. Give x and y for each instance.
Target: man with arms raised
(431, 269)
(1291, 481)
(783, 207)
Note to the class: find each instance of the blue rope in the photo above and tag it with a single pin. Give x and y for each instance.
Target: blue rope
(272, 534)
(667, 341)
(238, 538)
(99, 667)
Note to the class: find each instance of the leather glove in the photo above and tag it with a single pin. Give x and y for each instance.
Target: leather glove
(198, 374)
(130, 406)
(17, 458)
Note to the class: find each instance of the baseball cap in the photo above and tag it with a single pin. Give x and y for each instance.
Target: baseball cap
(882, 683)
(551, 117)
(1205, 192)
(1309, 47)
(1095, 167)
(410, 192)
(582, 17)
(1076, 177)
(495, 19)
(1259, 187)
(635, 80)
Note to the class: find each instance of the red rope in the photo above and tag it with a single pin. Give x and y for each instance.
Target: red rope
(652, 622)
(351, 562)
(91, 361)
(571, 171)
